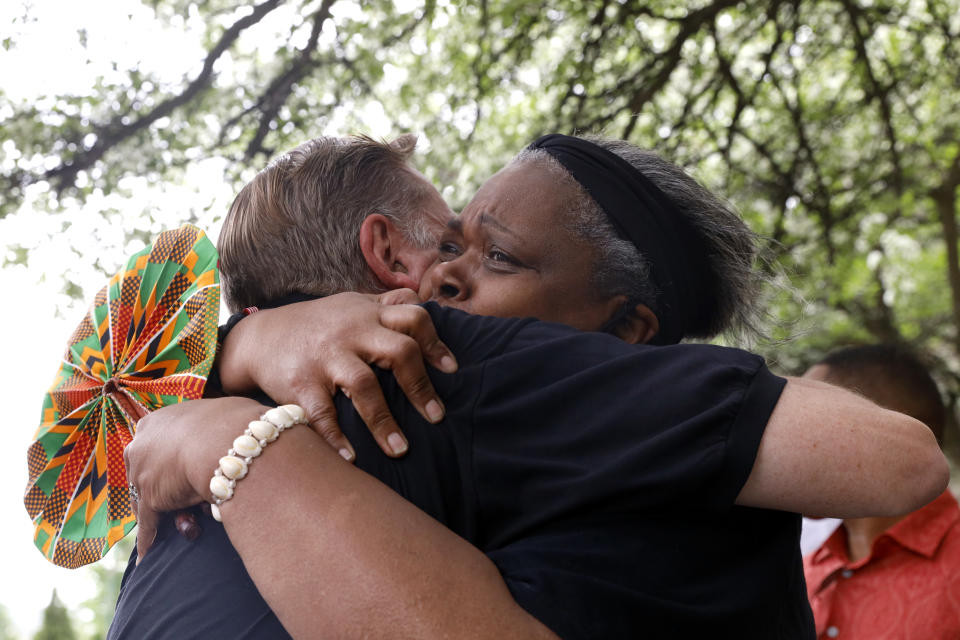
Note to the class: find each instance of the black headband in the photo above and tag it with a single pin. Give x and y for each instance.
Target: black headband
(643, 215)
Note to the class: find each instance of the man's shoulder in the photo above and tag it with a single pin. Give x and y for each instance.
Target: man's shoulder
(489, 335)
(475, 338)
(524, 351)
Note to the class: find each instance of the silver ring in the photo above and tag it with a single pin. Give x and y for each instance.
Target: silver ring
(134, 494)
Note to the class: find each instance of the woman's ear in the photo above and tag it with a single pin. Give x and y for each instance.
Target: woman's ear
(381, 243)
(638, 325)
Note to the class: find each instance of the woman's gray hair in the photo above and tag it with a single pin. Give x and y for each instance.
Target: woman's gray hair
(621, 269)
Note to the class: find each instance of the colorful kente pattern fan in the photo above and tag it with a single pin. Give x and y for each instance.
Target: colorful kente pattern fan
(148, 340)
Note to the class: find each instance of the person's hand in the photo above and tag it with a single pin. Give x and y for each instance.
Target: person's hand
(173, 454)
(304, 353)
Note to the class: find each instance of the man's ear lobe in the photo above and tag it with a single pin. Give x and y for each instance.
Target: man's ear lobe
(638, 326)
(380, 242)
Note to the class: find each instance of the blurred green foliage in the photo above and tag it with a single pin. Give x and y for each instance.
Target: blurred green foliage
(56, 622)
(7, 629)
(832, 124)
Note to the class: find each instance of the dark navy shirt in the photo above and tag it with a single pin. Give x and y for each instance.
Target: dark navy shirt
(599, 477)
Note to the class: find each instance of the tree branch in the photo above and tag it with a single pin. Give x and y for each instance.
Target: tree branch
(878, 92)
(115, 132)
(945, 198)
(669, 60)
(279, 90)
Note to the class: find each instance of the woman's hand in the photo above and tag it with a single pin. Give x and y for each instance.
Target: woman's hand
(304, 353)
(174, 452)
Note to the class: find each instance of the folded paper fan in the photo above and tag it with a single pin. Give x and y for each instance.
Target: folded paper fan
(148, 340)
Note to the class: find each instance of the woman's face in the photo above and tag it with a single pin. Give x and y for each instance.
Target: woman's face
(509, 255)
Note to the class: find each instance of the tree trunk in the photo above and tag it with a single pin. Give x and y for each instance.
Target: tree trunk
(945, 198)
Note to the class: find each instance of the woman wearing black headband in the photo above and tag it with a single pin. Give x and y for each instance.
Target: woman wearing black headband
(663, 267)
(610, 485)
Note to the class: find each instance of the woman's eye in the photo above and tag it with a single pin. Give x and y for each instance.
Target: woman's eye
(499, 256)
(449, 250)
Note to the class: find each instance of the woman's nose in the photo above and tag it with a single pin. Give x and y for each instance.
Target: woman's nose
(448, 283)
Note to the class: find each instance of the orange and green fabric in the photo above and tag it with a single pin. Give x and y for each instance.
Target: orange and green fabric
(148, 341)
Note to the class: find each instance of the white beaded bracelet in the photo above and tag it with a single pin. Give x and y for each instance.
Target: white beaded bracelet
(258, 434)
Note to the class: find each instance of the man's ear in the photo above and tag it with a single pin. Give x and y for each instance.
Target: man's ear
(381, 242)
(638, 326)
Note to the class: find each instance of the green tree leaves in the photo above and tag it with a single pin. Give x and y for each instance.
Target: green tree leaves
(831, 125)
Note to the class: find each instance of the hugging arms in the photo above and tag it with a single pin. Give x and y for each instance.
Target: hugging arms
(672, 468)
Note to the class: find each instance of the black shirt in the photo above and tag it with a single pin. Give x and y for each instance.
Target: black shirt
(598, 476)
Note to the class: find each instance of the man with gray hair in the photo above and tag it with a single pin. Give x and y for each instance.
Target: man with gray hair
(349, 192)
(333, 215)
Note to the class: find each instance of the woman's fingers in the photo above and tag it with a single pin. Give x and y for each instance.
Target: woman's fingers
(317, 403)
(361, 385)
(415, 322)
(402, 355)
(399, 311)
(169, 462)
(330, 344)
(398, 296)
(405, 357)
(133, 459)
(399, 341)
(147, 522)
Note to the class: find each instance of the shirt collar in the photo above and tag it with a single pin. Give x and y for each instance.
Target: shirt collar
(924, 529)
(835, 548)
(920, 532)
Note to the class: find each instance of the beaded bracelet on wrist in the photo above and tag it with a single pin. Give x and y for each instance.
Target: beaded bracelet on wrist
(233, 467)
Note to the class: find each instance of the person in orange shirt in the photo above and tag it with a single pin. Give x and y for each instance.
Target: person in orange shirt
(898, 577)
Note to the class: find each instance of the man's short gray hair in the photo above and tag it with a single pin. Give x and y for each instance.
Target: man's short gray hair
(620, 267)
(294, 227)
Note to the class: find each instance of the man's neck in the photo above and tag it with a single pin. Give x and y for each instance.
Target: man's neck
(861, 532)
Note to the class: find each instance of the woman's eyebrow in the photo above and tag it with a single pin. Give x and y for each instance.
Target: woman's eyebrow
(456, 225)
(487, 219)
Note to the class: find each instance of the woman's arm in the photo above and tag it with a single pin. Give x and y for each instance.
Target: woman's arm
(825, 450)
(303, 353)
(333, 551)
(829, 452)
